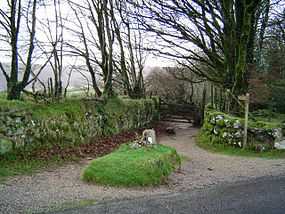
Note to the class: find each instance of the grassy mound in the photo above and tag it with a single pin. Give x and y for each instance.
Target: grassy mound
(133, 167)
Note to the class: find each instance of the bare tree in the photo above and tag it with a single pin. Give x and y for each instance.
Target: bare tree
(174, 85)
(11, 23)
(277, 26)
(214, 33)
(273, 51)
(53, 44)
(131, 55)
(96, 34)
(265, 14)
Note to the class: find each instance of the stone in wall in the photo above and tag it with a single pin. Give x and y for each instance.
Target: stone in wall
(229, 130)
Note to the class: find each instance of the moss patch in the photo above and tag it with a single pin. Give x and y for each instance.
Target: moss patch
(133, 167)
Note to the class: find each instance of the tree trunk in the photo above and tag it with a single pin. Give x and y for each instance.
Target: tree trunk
(14, 91)
(14, 86)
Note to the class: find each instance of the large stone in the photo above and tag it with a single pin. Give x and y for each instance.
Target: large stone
(148, 137)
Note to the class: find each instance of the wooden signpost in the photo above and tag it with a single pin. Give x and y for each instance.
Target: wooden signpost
(245, 98)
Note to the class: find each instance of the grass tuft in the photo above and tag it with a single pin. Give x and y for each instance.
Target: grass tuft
(133, 167)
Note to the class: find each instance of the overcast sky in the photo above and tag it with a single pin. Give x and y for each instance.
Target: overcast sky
(43, 13)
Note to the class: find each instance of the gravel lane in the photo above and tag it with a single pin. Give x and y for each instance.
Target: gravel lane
(61, 187)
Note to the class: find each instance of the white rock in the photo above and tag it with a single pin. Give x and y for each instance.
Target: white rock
(216, 131)
(280, 145)
(148, 137)
(149, 140)
(225, 134)
(237, 124)
(277, 134)
(219, 117)
(135, 146)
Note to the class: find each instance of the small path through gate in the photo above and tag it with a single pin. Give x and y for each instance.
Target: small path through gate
(180, 113)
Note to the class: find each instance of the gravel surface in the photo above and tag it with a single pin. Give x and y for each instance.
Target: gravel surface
(264, 195)
(61, 187)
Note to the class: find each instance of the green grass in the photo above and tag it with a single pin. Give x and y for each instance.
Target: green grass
(15, 104)
(10, 168)
(3, 95)
(114, 106)
(204, 143)
(70, 106)
(133, 167)
(274, 120)
(269, 116)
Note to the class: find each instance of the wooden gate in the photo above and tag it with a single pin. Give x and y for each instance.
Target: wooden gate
(183, 113)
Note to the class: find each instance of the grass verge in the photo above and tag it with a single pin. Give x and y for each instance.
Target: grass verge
(204, 143)
(133, 167)
(26, 167)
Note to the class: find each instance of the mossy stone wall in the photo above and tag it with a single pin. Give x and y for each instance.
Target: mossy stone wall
(226, 129)
(71, 122)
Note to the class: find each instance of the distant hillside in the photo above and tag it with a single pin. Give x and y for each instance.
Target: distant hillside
(77, 80)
